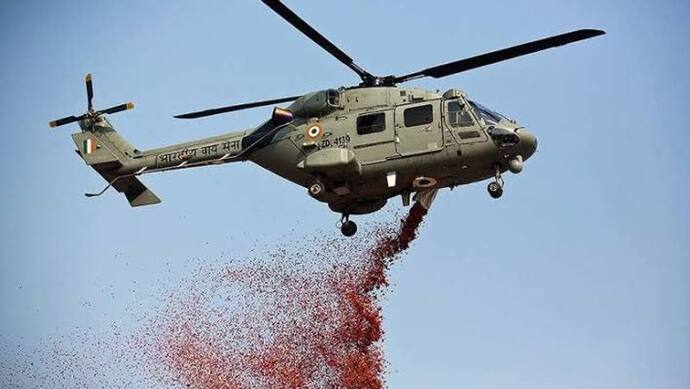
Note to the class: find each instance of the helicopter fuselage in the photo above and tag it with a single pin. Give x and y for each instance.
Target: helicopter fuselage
(390, 141)
(360, 146)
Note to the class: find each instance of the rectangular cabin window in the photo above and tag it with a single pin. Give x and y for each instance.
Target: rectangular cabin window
(369, 124)
(417, 116)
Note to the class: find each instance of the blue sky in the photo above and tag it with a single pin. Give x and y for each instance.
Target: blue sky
(576, 278)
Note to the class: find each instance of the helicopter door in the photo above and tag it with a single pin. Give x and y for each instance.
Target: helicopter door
(375, 139)
(418, 128)
(461, 123)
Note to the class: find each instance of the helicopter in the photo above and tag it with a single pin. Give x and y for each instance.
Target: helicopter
(353, 148)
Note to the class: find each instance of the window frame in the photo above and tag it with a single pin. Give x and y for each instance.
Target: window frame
(369, 114)
(464, 110)
(430, 108)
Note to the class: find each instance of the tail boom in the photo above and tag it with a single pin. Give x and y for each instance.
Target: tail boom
(119, 163)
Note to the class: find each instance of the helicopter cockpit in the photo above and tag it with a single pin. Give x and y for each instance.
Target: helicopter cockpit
(459, 113)
(463, 113)
(502, 134)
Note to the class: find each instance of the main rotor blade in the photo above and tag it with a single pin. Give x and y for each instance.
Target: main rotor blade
(237, 107)
(117, 108)
(89, 90)
(319, 39)
(500, 55)
(66, 120)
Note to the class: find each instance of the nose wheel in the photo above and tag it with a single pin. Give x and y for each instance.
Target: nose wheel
(347, 226)
(495, 187)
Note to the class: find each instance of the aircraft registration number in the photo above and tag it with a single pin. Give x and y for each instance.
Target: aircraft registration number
(338, 141)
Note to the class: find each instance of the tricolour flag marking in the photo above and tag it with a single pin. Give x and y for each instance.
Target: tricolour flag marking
(89, 146)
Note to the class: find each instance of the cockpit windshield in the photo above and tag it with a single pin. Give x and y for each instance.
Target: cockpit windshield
(487, 114)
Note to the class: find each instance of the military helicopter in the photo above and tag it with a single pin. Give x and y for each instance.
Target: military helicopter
(350, 147)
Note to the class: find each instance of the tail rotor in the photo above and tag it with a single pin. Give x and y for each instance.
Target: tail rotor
(90, 114)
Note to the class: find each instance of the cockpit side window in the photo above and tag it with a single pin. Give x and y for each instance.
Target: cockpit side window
(458, 115)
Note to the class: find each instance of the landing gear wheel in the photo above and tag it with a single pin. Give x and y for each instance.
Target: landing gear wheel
(495, 189)
(317, 189)
(348, 228)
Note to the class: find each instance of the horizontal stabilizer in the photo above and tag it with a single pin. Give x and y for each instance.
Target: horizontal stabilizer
(136, 192)
(142, 198)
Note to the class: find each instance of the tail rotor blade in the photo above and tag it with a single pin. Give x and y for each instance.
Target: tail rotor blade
(89, 90)
(66, 120)
(117, 108)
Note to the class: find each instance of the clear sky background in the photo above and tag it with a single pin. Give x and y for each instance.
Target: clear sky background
(576, 278)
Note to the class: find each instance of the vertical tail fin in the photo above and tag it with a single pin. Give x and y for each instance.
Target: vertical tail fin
(100, 145)
(105, 150)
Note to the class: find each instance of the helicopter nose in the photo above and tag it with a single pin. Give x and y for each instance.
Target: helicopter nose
(528, 142)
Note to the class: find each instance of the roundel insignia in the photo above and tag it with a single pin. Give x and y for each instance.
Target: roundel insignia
(313, 132)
